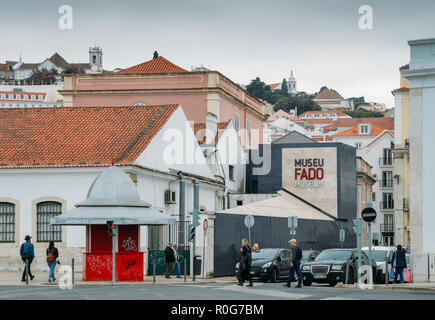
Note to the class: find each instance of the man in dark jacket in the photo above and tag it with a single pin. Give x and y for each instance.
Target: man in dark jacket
(245, 264)
(400, 257)
(170, 260)
(27, 254)
(295, 265)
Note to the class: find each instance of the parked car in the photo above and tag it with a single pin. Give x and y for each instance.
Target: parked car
(309, 255)
(330, 267)
(379, 253)
(270, 264)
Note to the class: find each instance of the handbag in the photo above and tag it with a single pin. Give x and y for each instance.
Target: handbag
(392, 273)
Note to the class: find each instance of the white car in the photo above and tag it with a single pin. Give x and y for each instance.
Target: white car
(379, 253)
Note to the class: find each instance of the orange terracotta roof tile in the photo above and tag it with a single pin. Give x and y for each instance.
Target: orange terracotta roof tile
(384, 122)
(157, 65)
(328, 94)
(78, 135)
(274, 85)
(376, 130)
(402, 89)
(200, 134)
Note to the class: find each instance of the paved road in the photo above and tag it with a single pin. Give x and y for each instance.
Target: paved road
(261, 291)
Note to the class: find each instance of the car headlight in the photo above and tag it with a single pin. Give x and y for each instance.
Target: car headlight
(305, 268)
(336, 267)
(267, 265)
(237, 264)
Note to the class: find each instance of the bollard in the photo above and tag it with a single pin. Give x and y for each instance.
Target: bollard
(185, 263)
(27, 271)
(346, 279)
(387, 274)
(154, 271)
(72, 270)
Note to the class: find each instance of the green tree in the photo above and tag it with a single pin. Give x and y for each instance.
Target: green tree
(284, 87)
(362, 113)
(358, 101)
(43, 76)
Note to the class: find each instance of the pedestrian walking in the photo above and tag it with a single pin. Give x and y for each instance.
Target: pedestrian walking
(177, 263)
(295, 265)
(170, 260)
(27, 254)
(245, 264)
(400, 258)
(52, 256)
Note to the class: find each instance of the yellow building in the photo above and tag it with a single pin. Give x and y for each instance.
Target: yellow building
(401, 163)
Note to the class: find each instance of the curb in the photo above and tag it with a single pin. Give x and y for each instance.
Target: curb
(390, 287)
(138, 283)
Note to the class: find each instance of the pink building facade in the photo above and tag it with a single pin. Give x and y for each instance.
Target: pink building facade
(198, 92)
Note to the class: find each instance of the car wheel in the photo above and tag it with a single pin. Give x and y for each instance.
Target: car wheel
(306, 283)
(273, 276)
(332, 284)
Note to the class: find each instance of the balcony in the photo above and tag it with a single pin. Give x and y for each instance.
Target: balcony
(386, 162)
(386, 183)
(387, 205)
(387, 228)
(406, 204)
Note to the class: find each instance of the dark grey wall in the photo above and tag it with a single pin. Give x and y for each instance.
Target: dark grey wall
(272, 232)
(346, 174)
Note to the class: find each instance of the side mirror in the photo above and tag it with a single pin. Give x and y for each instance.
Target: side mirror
(278, 258)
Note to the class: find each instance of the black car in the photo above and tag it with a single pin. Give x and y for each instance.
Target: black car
(309, 255)
(270, 264)
(330, 267)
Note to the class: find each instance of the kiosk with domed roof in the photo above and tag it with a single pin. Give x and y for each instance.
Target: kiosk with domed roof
(113, 214)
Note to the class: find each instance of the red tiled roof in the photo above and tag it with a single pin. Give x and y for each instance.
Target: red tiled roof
(402, 89)
(79, 135)
(384, 122)
(320, 138)
(376, 130)
(157, 65)
(274, 85)
(328, 94)
(200, 134)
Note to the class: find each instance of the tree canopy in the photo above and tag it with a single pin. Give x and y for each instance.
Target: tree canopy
(280, 97)
(43, 76)
(362, 113)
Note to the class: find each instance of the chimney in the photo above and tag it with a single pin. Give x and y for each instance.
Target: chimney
(210, 127)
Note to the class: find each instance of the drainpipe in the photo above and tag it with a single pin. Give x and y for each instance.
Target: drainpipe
(182, 213)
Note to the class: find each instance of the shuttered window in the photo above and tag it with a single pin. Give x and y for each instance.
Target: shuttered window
(7, 222)
(45, 231)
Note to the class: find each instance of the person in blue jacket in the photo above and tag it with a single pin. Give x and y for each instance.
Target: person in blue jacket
(27, 253)
(400, 257)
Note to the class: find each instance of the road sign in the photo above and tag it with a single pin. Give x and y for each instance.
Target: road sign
(249, 221)
(292, 222)
(205, 225)
(357, 228)
(342, 235)
(368, 214)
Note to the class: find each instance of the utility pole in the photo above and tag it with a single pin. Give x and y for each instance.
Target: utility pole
(195, 221)
(182, 214)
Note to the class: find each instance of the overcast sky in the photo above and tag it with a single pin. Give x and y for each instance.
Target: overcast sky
(320, 40)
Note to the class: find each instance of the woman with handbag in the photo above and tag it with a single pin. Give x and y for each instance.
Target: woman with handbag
(52, 255)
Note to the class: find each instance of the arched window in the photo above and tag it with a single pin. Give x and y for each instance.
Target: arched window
(7, 222)
(46, 232)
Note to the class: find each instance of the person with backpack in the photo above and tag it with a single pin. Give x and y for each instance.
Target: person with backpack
(27, 254)
(400, 258)
(245, 264)
(295, 265)
(52, 255)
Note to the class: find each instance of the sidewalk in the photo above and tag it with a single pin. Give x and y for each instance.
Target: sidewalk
(428, 286)
(12, 278)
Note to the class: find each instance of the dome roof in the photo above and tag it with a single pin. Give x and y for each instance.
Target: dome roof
(113, 187)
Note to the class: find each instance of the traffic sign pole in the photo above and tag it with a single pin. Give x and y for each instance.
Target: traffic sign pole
(369, 237)
(204, 227)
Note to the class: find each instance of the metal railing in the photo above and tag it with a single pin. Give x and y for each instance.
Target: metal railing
(387, 205)
(159, 236)
(405, 203)
(386, 183)
(385, 161)
(389, 227)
